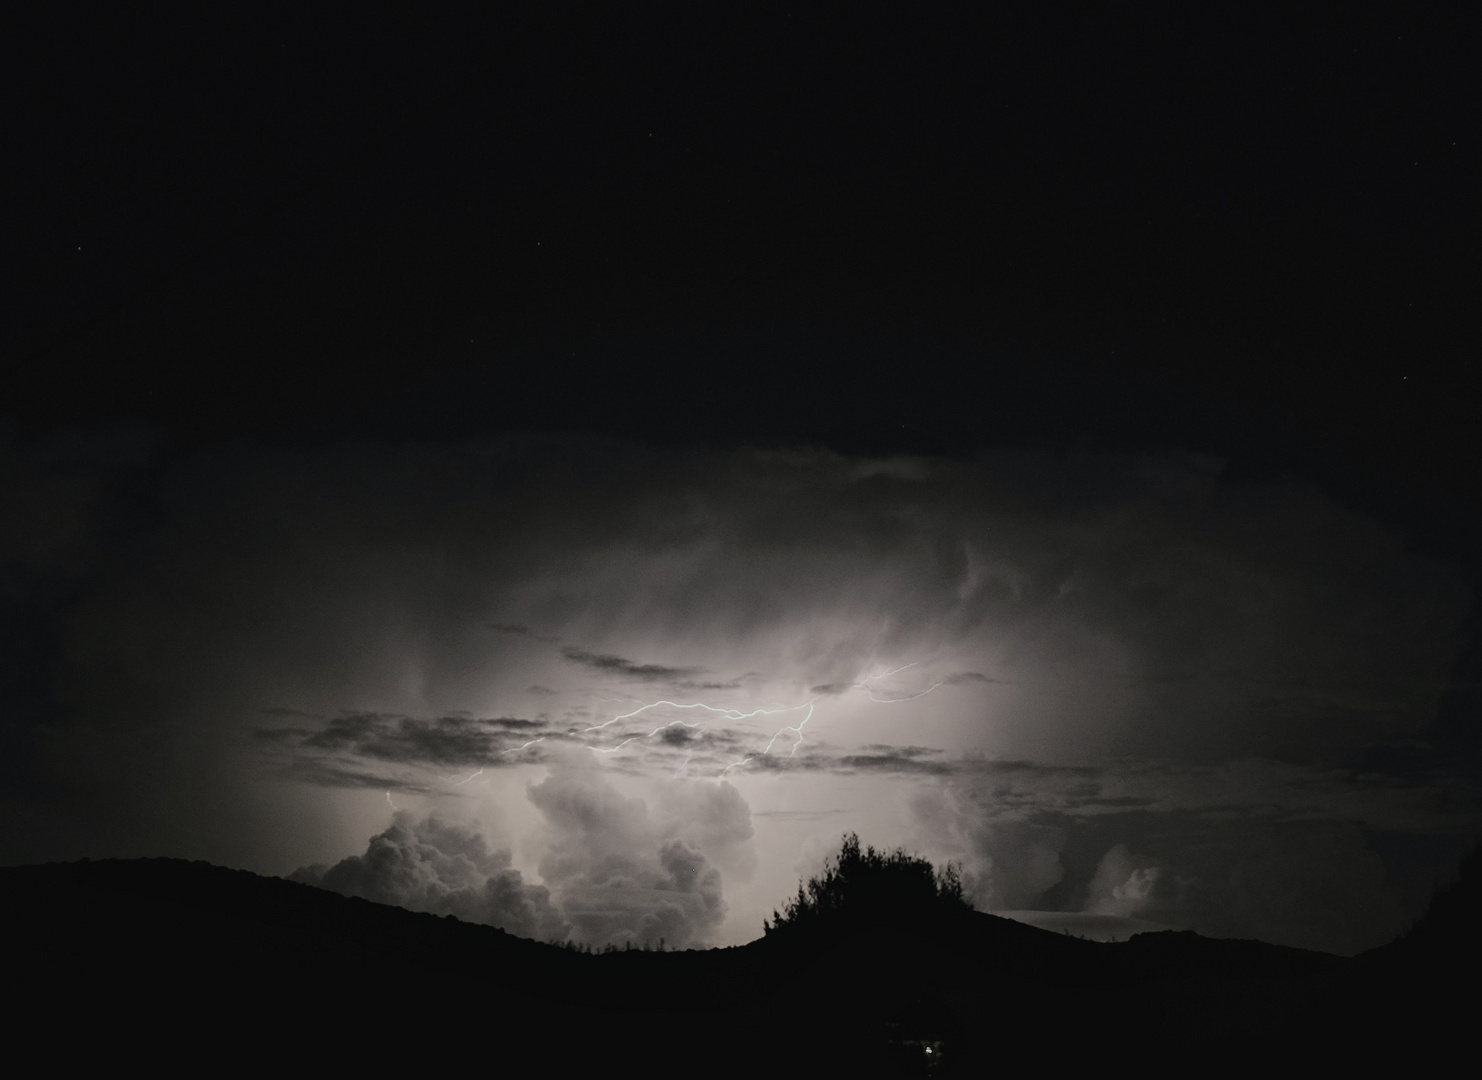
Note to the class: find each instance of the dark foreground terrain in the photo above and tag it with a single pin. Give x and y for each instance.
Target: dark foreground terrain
(177, 965)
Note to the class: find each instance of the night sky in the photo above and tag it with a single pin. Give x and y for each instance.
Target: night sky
(567, 470)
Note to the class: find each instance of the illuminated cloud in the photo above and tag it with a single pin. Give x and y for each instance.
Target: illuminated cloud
(446, 868)
(632, 671)
(440, 741)
(1124, 884)
(624, 871)
(242, 661)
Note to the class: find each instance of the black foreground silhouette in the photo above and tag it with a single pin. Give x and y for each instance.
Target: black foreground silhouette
(877, 967)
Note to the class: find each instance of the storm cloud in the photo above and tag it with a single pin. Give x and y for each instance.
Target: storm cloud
(445, 868)
(1252, 849)
(237, 654)
(442, 740)
(630, 669)
(624, 871)
(614, 869)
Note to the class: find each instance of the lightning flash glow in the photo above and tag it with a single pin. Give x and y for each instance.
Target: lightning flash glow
(863, 684)
(722, 712)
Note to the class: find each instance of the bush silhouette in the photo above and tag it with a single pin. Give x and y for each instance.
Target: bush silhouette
(860, 887)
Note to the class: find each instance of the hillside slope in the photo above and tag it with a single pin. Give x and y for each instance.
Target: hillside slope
(153, 956)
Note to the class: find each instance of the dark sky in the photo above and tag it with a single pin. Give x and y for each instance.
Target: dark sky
(1114, 371)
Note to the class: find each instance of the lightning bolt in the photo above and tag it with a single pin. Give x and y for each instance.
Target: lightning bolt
(720, 711)
(729, 714)
(863, 684)
(725, 713)
(480, 770)
(796, 729)
(526, 746)
(388, 799)
(893, 700)
(885, 674)
(633, 738)
(733, 765)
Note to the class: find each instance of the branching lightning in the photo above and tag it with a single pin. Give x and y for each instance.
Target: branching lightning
(869, 685)
(720, 711)
(632, 738)
(894, 700)
(725, 713)
(729, 714)
(797, 729)
(480, 770)
(885, 674)
(863, 684)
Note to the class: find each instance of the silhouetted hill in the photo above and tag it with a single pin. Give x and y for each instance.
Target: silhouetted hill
(159, 957)
(1433, 969)
(1450, 927)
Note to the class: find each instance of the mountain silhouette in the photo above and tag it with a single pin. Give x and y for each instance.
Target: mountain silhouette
(167, 960)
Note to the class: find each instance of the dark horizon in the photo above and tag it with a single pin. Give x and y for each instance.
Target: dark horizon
(891, 989)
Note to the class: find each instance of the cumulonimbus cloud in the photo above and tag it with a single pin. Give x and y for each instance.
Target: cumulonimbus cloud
(615, 868)
(447, 868)
(1217, 638)
(622, 870)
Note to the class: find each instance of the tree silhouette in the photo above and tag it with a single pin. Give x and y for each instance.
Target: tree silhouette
(865, 886)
